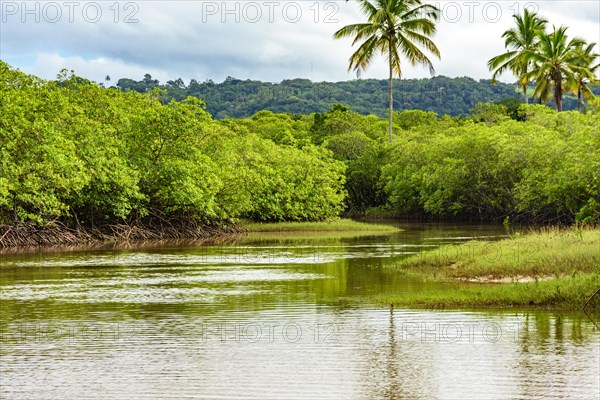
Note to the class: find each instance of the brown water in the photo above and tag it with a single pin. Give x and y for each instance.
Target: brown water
(264, 318)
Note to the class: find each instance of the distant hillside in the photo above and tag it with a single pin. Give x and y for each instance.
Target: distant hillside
(239, 99)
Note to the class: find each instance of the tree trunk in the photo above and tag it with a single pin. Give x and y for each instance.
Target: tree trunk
(390, 122)
(579, 99)
(15, 214)
(558, 95)
(525, 83)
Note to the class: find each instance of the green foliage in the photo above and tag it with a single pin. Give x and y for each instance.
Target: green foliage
(280, 128)
(164, 146)
(340, 120)
(556, 65)
(236, 98)
(75, 152)
(512, 105)
(563, 176)
(545, 168)
(364, 158)
(40, 169)
(412, 118)
(490, 114)
(97, 123)
(294, 185)
(81, 154)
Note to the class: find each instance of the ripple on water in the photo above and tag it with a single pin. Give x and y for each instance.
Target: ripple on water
(307, 351)
(249, 321)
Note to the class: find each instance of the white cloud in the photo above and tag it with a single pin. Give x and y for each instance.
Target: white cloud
(273, 53)
(49, 64)
(263, 40)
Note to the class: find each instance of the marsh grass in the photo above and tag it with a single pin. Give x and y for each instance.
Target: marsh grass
(544, 253)
(339, 225)
(569, 292)
(563, 266)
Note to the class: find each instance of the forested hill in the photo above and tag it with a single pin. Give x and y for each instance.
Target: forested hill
(243, 98)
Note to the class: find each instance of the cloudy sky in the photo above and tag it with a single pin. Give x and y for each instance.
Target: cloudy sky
(267, 40)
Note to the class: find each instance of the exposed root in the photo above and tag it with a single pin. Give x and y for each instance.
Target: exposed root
(58, 234)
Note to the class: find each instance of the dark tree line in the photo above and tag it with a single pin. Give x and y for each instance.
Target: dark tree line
(236, 98)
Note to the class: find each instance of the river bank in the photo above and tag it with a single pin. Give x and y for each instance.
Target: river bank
(16, 237)
(551, 268)
(336, 225)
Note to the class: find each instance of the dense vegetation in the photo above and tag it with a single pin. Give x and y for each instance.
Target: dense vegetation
(81, 154)
(235, 98)
(545, 168)
(72, 151)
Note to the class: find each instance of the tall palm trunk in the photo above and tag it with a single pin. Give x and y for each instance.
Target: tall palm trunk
(579, 98)
(558, 93)
(525, 84)
(394, 28)
(390, 121)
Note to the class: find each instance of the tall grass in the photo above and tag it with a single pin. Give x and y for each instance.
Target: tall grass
(563, 266)
(568, 292)
(543, 253)
(339, 225)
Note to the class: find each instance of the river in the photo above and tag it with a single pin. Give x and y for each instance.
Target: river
(271, 316)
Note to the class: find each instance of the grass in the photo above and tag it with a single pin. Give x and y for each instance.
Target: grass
(563, 266)
(339, 225)
(545, 253)
(568, 292)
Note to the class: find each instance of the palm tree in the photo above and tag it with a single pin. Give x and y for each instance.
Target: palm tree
(585, 73)
(393, 28)
(524, 37)
(555, 62)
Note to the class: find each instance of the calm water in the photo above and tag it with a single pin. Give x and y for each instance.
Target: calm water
(265, 318)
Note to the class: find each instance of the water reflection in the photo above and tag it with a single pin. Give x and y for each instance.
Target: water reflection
(254, 319)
